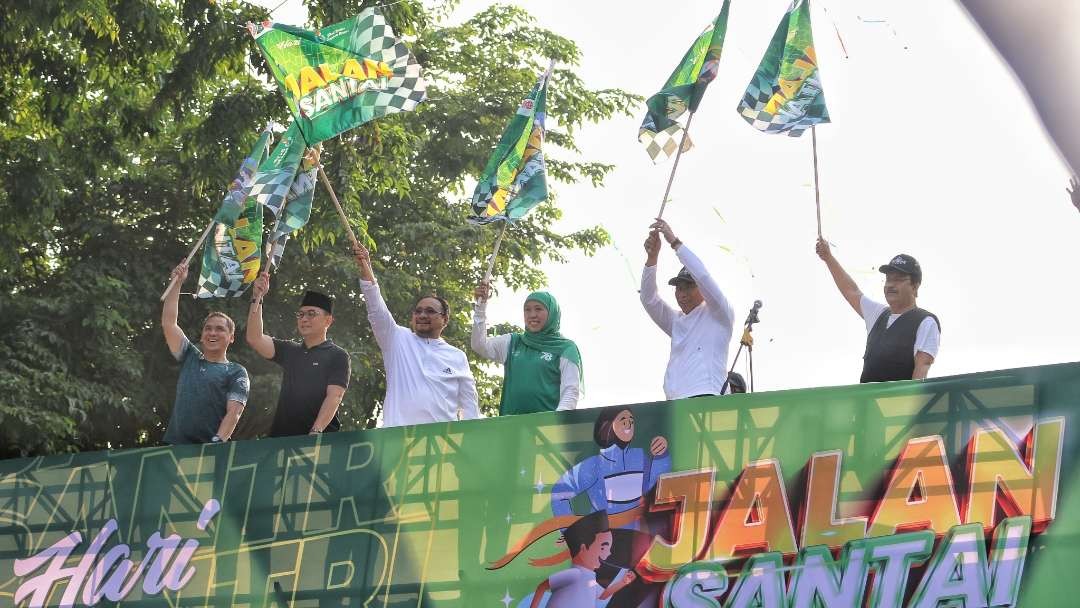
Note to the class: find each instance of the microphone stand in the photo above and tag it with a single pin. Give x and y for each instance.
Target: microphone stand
(747, 341)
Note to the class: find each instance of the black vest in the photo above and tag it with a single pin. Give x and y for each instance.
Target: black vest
(889, 351)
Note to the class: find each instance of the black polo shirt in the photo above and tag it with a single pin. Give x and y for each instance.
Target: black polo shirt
(308, 371)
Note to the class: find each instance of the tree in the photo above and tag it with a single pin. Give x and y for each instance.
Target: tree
(122, 123)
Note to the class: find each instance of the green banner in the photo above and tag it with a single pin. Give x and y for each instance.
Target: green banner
(342, 75)
(948, 492)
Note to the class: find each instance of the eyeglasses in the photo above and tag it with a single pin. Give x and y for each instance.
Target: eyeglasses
(426, 311)
(311, 314)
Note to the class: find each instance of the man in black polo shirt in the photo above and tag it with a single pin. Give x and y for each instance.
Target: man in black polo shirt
(902, 339)
(316, 370)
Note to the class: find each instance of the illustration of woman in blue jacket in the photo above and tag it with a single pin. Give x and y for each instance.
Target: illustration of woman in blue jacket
(617, 480)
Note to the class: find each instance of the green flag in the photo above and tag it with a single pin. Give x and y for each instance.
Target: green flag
(235, 199)
(660, 131)
(342, 75)
(296, 212)
(271, 185)
(514, 180)
(785, 94)
(233, 252)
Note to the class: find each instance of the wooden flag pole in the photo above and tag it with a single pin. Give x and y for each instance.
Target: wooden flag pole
(337, 205)
(190, 255)
(817, 191)
(678, 155)
(495, 252)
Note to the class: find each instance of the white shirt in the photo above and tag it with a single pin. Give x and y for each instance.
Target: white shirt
(575, 587)
(699, 340)
(927, 338)
(496, 348)
(427, 380)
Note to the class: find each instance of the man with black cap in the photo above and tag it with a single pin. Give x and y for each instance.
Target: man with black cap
(316, 370)
(902, 339)
(700, 330)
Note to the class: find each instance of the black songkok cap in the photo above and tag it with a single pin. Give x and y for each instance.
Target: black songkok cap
(318, 300)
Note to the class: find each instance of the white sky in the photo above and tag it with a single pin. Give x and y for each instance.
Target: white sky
(933, 151)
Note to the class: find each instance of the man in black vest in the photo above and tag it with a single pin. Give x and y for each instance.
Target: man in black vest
(902, 338)
(316, 370)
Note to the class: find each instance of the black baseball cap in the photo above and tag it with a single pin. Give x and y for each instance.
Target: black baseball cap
(904, 263)
(684, 276)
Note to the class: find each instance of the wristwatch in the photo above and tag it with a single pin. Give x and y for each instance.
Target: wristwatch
(216, 439)
(314, 432)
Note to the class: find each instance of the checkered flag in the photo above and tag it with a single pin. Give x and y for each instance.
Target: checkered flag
(342, 75)
(796, 103)
(271, 188)
(660, 131)
(221, 275)
(662, 144)
(406, 88)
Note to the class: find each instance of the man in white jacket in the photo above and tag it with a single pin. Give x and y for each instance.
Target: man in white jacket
(700, 330)
(427, 380)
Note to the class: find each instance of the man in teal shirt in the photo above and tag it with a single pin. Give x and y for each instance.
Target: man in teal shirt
(211, 391)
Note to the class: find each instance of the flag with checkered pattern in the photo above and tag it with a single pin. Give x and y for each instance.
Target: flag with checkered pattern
(271, 185)
(785, 94)
(236, 197)
(296, 212)
(233, 250)
(342, 75)
(661, 132)
(514, 180)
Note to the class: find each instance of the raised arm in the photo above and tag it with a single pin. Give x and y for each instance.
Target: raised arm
(491, 348)
(661, 314)
(710, 290)
(174, 336)
(256, 339)
(382, 322)
(843, 280)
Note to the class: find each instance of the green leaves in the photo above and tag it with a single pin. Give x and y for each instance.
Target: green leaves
(121, 125)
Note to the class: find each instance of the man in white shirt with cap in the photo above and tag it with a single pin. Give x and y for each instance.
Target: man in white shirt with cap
(700, 329)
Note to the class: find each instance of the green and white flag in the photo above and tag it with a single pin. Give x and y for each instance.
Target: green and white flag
(233, 250)
(514, 180)
(660, 131)
(785, 94)
(271, 185)
(233, 205)
(340, 76)
(297, 210)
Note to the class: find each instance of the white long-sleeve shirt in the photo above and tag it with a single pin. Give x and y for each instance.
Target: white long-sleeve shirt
(496, 348)
(700, 339)
(427, 380)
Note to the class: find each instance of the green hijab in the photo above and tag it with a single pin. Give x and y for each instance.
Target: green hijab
(531, 382)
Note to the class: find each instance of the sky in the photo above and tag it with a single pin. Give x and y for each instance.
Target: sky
(933, 150)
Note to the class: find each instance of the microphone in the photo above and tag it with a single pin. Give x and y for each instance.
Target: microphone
(753, 316)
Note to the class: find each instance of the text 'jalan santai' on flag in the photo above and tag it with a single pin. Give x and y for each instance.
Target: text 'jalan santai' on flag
(340, 76)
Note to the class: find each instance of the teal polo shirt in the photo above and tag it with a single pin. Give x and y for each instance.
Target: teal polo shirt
(202, 391)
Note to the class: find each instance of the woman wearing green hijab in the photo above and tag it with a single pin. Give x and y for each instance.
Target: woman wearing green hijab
(543, 369)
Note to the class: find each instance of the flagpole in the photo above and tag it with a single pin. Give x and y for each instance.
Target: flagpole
(817, 191)
(495, 252)
(190, 255)
(678, 155)
(337, 205)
